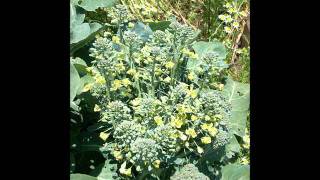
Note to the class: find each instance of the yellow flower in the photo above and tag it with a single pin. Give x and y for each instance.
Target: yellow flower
(194, 118)
(199, 149)
(176, 122)
(156, 163)
(191, 132)
(130, 25)
(120, 67)
(228, 19)
(89, 69)
(96, 108)
(194, 56)
(227, 29)
(191, 76)
(167, 79)
(183, 137)
(206, 126)
(104, 136)
(174, 135)
(125, 171)
(246, 140)
(220, 86)
(231, 10)
(158, 71)
(236, 24)
(169, 65)
(148, 60)
(99, 79)
(212, 131)
(218, 116)
(87, 87)
(117, 155)
(244, 161)
(193, 93)
(158, 120)
(183, 109)
(227, 5)
(131, 72)
(116, 85)
(206, 140)
(126, 82)
(135, 102)
(116, 39)
(222, 17)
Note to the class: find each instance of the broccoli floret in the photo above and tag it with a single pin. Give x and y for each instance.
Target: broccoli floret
(221, 139)
(127, 132)
(189, 172)
(116, 112)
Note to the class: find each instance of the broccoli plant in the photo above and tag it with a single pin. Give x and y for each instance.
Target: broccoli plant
(164, 101)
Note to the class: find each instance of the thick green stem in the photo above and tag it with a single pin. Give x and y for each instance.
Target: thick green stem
(136, 80)
(153, 76)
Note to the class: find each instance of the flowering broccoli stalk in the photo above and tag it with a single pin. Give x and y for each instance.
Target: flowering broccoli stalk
(156, 108)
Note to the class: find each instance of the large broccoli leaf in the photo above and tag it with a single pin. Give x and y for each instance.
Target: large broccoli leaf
(75, 82)
(238, 94)
(233, 147)
(91, 5)
(142, 30)
(201, 48)
(79, 31)
(105, 171)
(161, 25)
(235, 172)
(81, 177)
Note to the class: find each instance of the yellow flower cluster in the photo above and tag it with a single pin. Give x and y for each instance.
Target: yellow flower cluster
(191, 132)
(187, 52)
(116, 39)
(177, 121)
(233, 17)
(117, 84)
(158, 120)
(87, 87)
(99, 79)
(169, 65)
(206, 140)
(209, 128)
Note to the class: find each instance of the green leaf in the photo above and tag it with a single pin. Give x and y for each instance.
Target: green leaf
(78, 61)
(238, 94)
(201, 48)
(233, 147)
(94, 29)
(79, 31)
(161, 25)
(80, 65)
(85, 80)
(81, 177)
(142, 30)
(105, 171)
(74, 82)
(91, 5)
(89, 142)
(235, 172)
